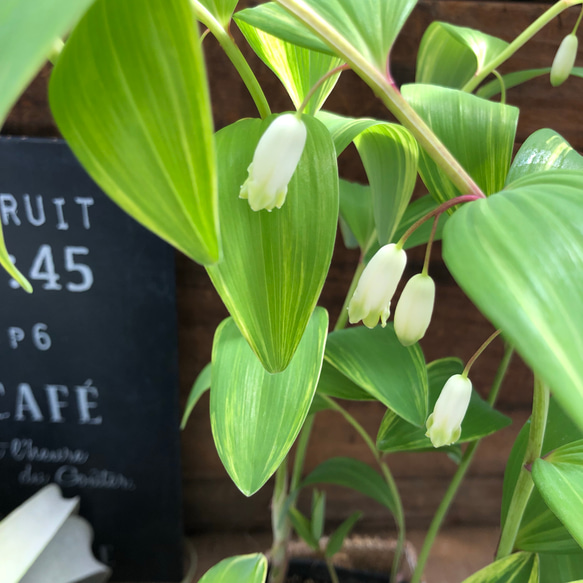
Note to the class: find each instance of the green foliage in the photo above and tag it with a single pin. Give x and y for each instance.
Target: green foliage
(243, 569)
(275, 263)
(479, 133)
(151, 151)
(201, 385)
(517, 568)
(255, 415)
(396, 434)
(451, 55)
(526, 275)
(354, 474)
(370, 357)
(222, 10)
(298, 69)
(370, 26)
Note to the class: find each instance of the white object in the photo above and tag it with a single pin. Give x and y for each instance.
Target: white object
(377, 284)
(275, 160)
(414, 309)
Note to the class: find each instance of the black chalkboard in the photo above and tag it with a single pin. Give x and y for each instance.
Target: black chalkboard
(88, 374)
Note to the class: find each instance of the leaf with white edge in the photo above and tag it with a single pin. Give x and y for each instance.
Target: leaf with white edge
(370, 26)
(256, 416)
(517, 78)
(354, 474)
(451, 55)
(337, 537)
(518, 257)
(129, 93)
(298, 69)
(378, 363)
(540, 530)
(275, 263)
(479, 133)
(396, 434)
(389, 154)
(544, 150)
(357, 211)
(516, 568)
(559, 479)
(222, 10)
(242, 569)
(201, 385)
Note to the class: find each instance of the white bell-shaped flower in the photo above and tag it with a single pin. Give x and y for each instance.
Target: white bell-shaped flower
(414, 309)
(372, 299)
(564, 60)
(275, 160)
(444, 424)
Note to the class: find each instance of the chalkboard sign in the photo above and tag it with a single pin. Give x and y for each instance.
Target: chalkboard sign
(88, 375)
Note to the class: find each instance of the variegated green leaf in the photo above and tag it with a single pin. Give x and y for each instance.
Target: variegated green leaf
(129, 93)
(298, 69)
(516, 568)
(275, 263)
(222, 10)
(370, 357)
(255, 415)
(479, 133)
(242, 569)
(451, 55)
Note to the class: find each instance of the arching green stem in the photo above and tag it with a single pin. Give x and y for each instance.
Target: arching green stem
(235, 55)
(384, 87)
(519, 42)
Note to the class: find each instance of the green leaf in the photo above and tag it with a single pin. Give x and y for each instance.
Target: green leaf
(357, 211)
(354, 474)
(28, 31)
(451, 55)
(559, 480)
(222, 10)
(275, 263)
(516, 568)
(370, 26)
(243, 569)
(561, 568)
(544, 150)
(517, 78)
(298, 69)
(396, 434)
(337, 537)
(344, 129)
(479, 133)
(142, 127)
(201, 385)
(370, 357)
(389, 154)
(6, 262)
(256, 416)
(303, 527)
(318, 513)
(335, 384)
(540, 530)
(518, 257)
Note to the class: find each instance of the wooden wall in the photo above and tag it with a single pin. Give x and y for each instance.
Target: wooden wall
(211, 501)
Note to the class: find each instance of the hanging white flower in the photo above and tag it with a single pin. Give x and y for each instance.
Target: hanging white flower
(564, 60)
(414, 309)
(444, 424)
(372, 299)
(275, 160)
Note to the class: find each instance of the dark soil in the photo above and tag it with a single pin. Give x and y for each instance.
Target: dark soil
(302, 571)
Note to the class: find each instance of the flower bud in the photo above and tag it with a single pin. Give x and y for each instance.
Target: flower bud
(275, 160)
(444, 424)
(564, 60)
(414, 309)
(372, 299)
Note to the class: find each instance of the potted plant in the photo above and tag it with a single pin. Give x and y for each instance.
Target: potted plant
(258, 203)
